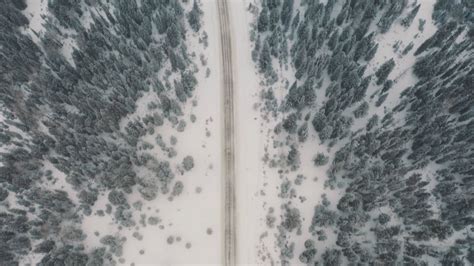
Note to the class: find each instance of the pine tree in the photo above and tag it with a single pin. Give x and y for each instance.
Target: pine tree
(384, 70)
(194, 17)
(265, 59)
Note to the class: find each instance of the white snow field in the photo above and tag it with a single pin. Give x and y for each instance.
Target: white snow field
(250, 141)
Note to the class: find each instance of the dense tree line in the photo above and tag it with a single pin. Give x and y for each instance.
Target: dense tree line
(69, 114)
(386, 165)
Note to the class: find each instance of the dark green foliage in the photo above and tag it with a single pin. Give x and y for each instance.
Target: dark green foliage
(69, 111)
(292, 219)
(371, 52)
(45, 246)
(460, 11)
(406, 22)
(57, 201)
(188, 163)
(361, 111)
(332, 257)
(333, 40)
(308, 255)
(173, 34)
(265, 59)
(3, 194)
(293, 158)
(320, 159)
(263, 20)
(383, 218)
(433, 229)
(343, 240)
(300, 97)
(303, 132)
(319, 122)
(20, 4)
(177, 188)
(350, 80)
(442, 35)
(117, 198)
(88, 197)
(286, 13)
(384, 70)
(98, 257)
(323, 217)
(290, 123)
(194, 17)
(349, 203)
(389, 16)
(64, 256)
(7, 257)
(381, 100)
(373, 122)
(114, 244)
(470, 254)
(373, 166)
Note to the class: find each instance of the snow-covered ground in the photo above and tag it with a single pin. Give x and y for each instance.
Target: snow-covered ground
(250, 139)
(402, 74)
(35, 12)
(259, 185)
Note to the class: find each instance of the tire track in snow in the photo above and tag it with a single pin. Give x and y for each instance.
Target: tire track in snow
(229, 152)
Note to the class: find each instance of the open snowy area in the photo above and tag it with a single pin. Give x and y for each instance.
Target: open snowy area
(236, 132)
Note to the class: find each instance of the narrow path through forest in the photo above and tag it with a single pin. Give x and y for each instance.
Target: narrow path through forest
(229, 152)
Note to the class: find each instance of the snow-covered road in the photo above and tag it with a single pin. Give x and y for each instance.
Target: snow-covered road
(244, 140)
(228, 145)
